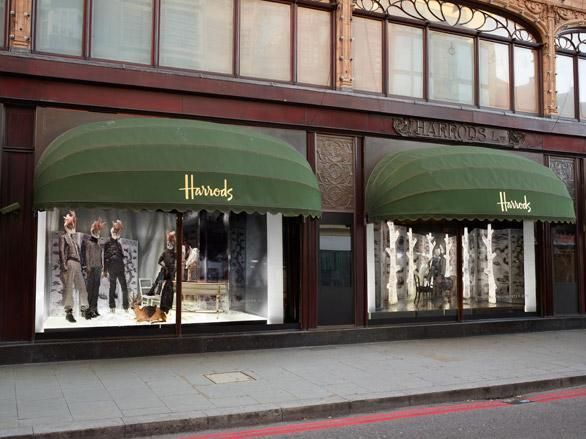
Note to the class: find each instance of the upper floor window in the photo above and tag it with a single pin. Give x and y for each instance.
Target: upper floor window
(264, 39)
(571, 73)
(444, 51)
(3, 23)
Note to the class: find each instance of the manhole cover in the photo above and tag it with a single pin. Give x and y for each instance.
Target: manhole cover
(228, 377)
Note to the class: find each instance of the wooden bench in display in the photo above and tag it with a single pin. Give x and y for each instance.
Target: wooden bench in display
(190, 291)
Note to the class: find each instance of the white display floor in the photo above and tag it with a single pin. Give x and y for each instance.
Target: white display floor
(123, 318)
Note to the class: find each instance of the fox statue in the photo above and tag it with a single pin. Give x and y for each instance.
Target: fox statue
(152, 314)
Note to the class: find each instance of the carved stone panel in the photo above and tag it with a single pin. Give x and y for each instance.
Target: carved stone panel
(335, 171)
(564, 169)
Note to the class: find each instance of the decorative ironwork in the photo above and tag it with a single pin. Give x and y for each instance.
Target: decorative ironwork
(564, 169)
(335, 171)
(574, 40)
(452, 14)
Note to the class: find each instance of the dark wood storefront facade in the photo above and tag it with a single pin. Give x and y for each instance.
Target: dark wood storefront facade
(335, 122)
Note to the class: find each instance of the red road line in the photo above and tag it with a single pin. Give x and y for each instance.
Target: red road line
(348, 422)
(385, 417)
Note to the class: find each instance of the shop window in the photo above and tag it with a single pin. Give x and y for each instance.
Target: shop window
(122, 30)
(571, 74)
(265, 40)
(452, 58)
(314, 45)
(59, 26)
(113, 268)
(197, 35)
(416, 273)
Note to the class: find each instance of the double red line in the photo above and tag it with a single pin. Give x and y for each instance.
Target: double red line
(385, 417)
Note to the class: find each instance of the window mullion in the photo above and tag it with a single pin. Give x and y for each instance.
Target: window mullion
(512, 76)
(425, 64)
(476, 75)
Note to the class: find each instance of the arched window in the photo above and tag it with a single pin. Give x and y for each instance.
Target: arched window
(443, 51)
(571, 73)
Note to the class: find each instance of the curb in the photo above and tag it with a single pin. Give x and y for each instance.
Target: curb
(297, 413)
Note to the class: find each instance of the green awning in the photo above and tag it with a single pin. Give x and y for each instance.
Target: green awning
(168, 164)
(465, 183)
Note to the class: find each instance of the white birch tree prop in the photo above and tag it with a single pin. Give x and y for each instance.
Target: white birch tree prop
(411, 267)
(489, 269)
(391, 251)
(448, 242)
(466, 265)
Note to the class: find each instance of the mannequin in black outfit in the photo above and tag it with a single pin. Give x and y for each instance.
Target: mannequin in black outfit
(114, 265)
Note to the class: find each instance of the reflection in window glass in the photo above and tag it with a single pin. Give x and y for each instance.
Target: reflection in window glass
(582, 86)
(314, 46)
(415, 269)
(565, 85)
(565, 287)
(265, 40)
(367, 64)
(122, 30)
(59, 26)
(526, 96)
(105, 264)
(493, 67)
(493, 267)
(197, 34)
(451, 68)
(405, 60)
(225, 271)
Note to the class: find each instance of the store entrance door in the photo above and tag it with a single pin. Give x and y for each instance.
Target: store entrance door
(336, 280)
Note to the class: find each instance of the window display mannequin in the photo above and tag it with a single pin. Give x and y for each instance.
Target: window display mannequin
(70, 264)
(440, 282)
(192, 264)
(114, 265)
(92, 264)
(167, 262)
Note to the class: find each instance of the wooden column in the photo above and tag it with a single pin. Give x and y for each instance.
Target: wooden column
(344, 45)
(17, 228)
(20, 25)
(309, 255)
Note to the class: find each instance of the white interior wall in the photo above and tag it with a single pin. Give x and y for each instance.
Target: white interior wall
(275, 268)
(40, 311)
(370, 268)
(529, 266)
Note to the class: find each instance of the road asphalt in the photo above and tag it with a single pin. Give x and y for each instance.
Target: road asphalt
(163, 395)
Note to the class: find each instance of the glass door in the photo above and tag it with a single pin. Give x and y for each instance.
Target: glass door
(336, 280)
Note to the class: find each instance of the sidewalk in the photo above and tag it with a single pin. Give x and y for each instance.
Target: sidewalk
(157, 395)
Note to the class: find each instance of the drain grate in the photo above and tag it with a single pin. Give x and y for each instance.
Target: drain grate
(229, 377)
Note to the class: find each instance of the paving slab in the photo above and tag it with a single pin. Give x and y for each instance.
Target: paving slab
(142, 396)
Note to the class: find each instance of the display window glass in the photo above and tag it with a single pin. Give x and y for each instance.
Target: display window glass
(416, 272)
(59, 26)
(405, 60)
(114, 268)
